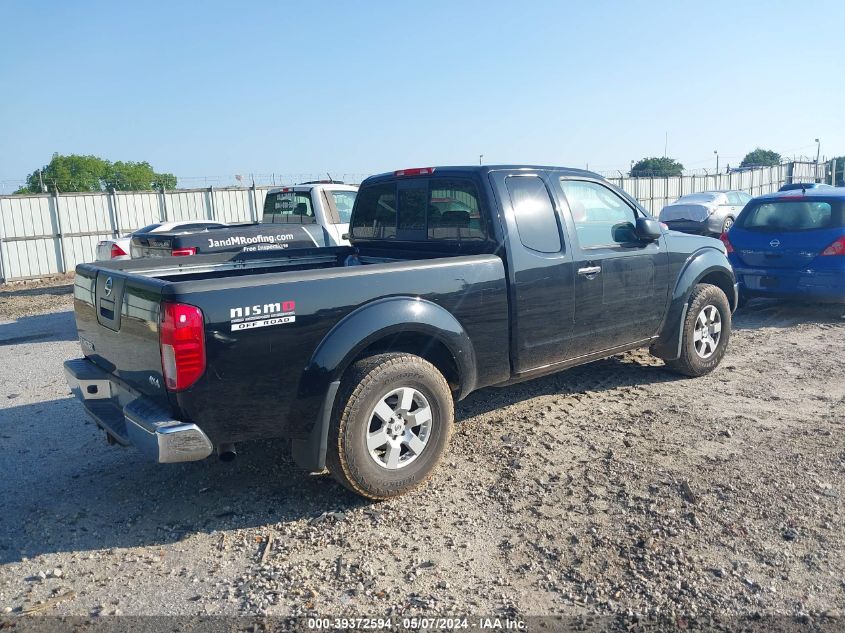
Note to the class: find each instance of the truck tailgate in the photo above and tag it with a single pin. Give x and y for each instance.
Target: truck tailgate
(117, 316)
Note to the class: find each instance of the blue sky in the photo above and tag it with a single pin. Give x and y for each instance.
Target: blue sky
(219, 88)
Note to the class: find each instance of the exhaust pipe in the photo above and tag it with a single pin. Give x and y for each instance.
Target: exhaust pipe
(226, 452)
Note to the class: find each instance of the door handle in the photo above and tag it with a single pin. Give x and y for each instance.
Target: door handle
(589, 270)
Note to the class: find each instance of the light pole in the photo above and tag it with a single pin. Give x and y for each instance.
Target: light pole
(480, 158)
(818, 152)
(715, 151)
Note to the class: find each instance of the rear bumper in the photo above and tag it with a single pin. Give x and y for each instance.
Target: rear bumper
(710, 226)
(131, 419)
(812, 284)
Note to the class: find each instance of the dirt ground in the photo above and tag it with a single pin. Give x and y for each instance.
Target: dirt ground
(614, 488)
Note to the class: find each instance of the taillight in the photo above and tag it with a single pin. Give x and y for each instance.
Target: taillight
(182, 341)
(415, 171)
(728, 246)
(116, 251)
(837, 248)
(182, 252)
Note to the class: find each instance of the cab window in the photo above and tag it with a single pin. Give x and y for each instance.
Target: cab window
(288, 207)
(453, 211)
(419, 209)
(375, 212)
(600, 215)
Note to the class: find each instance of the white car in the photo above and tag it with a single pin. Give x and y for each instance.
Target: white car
(704, 213)
(119, 248)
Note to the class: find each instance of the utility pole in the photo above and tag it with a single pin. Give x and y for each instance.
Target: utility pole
(715, 151)
(818, 151)
(41, 182)
(480, 158)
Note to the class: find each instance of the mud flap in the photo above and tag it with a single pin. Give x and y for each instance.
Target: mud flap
(310, 453)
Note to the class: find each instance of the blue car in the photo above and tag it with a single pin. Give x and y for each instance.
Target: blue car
(791, 245)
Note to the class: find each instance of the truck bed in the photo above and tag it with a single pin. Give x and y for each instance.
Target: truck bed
(274, 362)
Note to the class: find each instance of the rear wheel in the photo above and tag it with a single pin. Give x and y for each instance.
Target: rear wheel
(391, 426)
(727, 224)
(706, 331)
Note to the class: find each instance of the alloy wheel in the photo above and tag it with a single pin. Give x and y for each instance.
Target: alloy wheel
(399, 428)
(707, 332)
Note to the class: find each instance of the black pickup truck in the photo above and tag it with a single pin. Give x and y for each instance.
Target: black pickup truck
(458, 278)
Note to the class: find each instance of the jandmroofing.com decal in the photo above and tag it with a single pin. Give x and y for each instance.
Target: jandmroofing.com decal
(244, 240)
(262, 315)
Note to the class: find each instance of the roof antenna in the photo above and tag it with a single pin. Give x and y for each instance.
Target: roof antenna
(330, 177)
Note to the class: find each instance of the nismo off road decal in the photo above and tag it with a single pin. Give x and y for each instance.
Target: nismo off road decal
(262, 315)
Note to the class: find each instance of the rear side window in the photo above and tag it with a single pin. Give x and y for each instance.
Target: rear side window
(536, 220)
(419, 209)
(288, 207)
(343, 202)
(788, 215)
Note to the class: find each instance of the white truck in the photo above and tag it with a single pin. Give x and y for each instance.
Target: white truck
(299, 216)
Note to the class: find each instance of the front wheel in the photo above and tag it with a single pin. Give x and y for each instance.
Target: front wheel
(391, 426)
(706, 331)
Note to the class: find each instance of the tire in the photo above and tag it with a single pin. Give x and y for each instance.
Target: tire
(362, 450)
(727, 224)
(703, 356)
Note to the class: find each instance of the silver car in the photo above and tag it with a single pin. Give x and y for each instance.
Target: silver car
(704, 213)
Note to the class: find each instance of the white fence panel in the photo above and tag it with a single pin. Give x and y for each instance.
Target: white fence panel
(188, 205)
(46, 234)
(31, 257)
(233, 205)
(137, 209)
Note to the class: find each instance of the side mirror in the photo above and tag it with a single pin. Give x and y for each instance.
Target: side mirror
(648, 229)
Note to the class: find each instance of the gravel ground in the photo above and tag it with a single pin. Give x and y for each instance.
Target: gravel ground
(614, 488)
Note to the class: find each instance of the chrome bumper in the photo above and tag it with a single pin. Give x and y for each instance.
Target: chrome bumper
(131, 419)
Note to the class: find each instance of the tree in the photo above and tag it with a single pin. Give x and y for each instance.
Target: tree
(660, 167)
(92, 173)
(761, 158)
(130, 176)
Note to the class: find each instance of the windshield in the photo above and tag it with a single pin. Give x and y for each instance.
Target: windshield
(791, 215)
(343, 201)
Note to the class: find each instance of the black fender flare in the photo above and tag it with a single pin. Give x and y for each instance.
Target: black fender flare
(705, 262)
(365, 326)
